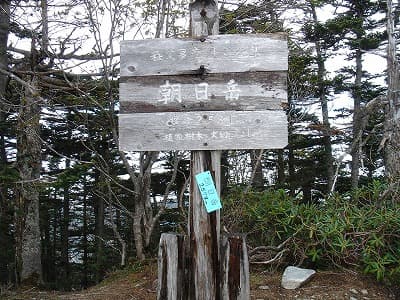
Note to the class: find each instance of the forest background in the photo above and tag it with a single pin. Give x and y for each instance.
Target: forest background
(73, 207)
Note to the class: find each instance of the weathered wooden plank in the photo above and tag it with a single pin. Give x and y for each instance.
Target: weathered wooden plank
(203, 230)
(204, 18)
(207, 130)
(217, 54)
(234, 91)
(235, 275)
(171, 267)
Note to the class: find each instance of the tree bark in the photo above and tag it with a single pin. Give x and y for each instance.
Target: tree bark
(47, 264)
(65, 272)
(55, 224)
(257, 171)
(324, 108)
(85, 232)
(4, 202)
(392, 121)
(281, 169)
(100, 236)
(142, 210)
(28, 249)
(4, 30)
(355, 151)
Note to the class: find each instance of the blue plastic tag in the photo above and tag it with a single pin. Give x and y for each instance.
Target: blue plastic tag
(208, 192)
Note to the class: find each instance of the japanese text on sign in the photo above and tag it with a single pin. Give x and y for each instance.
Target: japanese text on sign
(182, 53)
(173, 92)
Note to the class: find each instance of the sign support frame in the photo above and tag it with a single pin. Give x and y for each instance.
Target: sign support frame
(203, 227)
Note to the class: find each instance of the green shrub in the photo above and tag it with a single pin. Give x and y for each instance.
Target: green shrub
(353, 230)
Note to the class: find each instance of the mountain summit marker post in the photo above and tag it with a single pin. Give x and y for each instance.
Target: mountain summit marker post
(207, 93)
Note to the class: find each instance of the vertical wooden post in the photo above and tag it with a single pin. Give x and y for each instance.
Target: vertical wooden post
(171, 267)
(203, 227)
(196, 271)
(235, 281)
(203, 237)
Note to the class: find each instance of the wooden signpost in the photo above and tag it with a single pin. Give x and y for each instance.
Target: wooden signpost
(209, 92)
(212, 93)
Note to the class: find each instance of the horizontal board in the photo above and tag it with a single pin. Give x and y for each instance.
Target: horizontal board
(233, 91)
(207, 130)
(216, 53)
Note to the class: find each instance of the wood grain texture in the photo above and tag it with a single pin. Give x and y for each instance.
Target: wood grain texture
(235, 275)
(203, 24)
(203, 236)
(217, 53)
(257, 91)
(207, 130)
(171, 267)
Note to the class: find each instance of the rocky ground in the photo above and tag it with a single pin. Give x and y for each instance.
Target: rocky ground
(141, 285)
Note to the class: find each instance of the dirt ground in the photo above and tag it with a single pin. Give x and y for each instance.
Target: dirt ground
(124, 285)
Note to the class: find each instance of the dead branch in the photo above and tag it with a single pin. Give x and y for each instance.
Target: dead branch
(277, 257)
(260, 255)
(255, 167)
(366, 111)
(269, 248)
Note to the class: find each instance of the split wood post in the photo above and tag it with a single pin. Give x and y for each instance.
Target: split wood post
(204, 235)
(171, 267)
(203, 227)
(235, 281)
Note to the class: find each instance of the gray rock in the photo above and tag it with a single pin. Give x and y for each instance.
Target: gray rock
(263, 287)
(364, 292)
(354, 291)
(294, 277)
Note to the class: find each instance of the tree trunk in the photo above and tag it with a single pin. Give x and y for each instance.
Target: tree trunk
(4, 29)
(137, 232)
(85, 282)
(143, 213)
(4, 202)
(224, 171)
(55, 227)
(28, 250)
(392, 121)
(281, 169)
(100, 236)
(355, 151)
(291, 163)
(46, 244)
(139, 222)
(324, 109)
(257, 171)
(65, 272)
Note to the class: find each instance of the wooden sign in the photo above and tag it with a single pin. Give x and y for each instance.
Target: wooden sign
(215, 130)
(254, 91)
(220, 92)
(217, 54)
